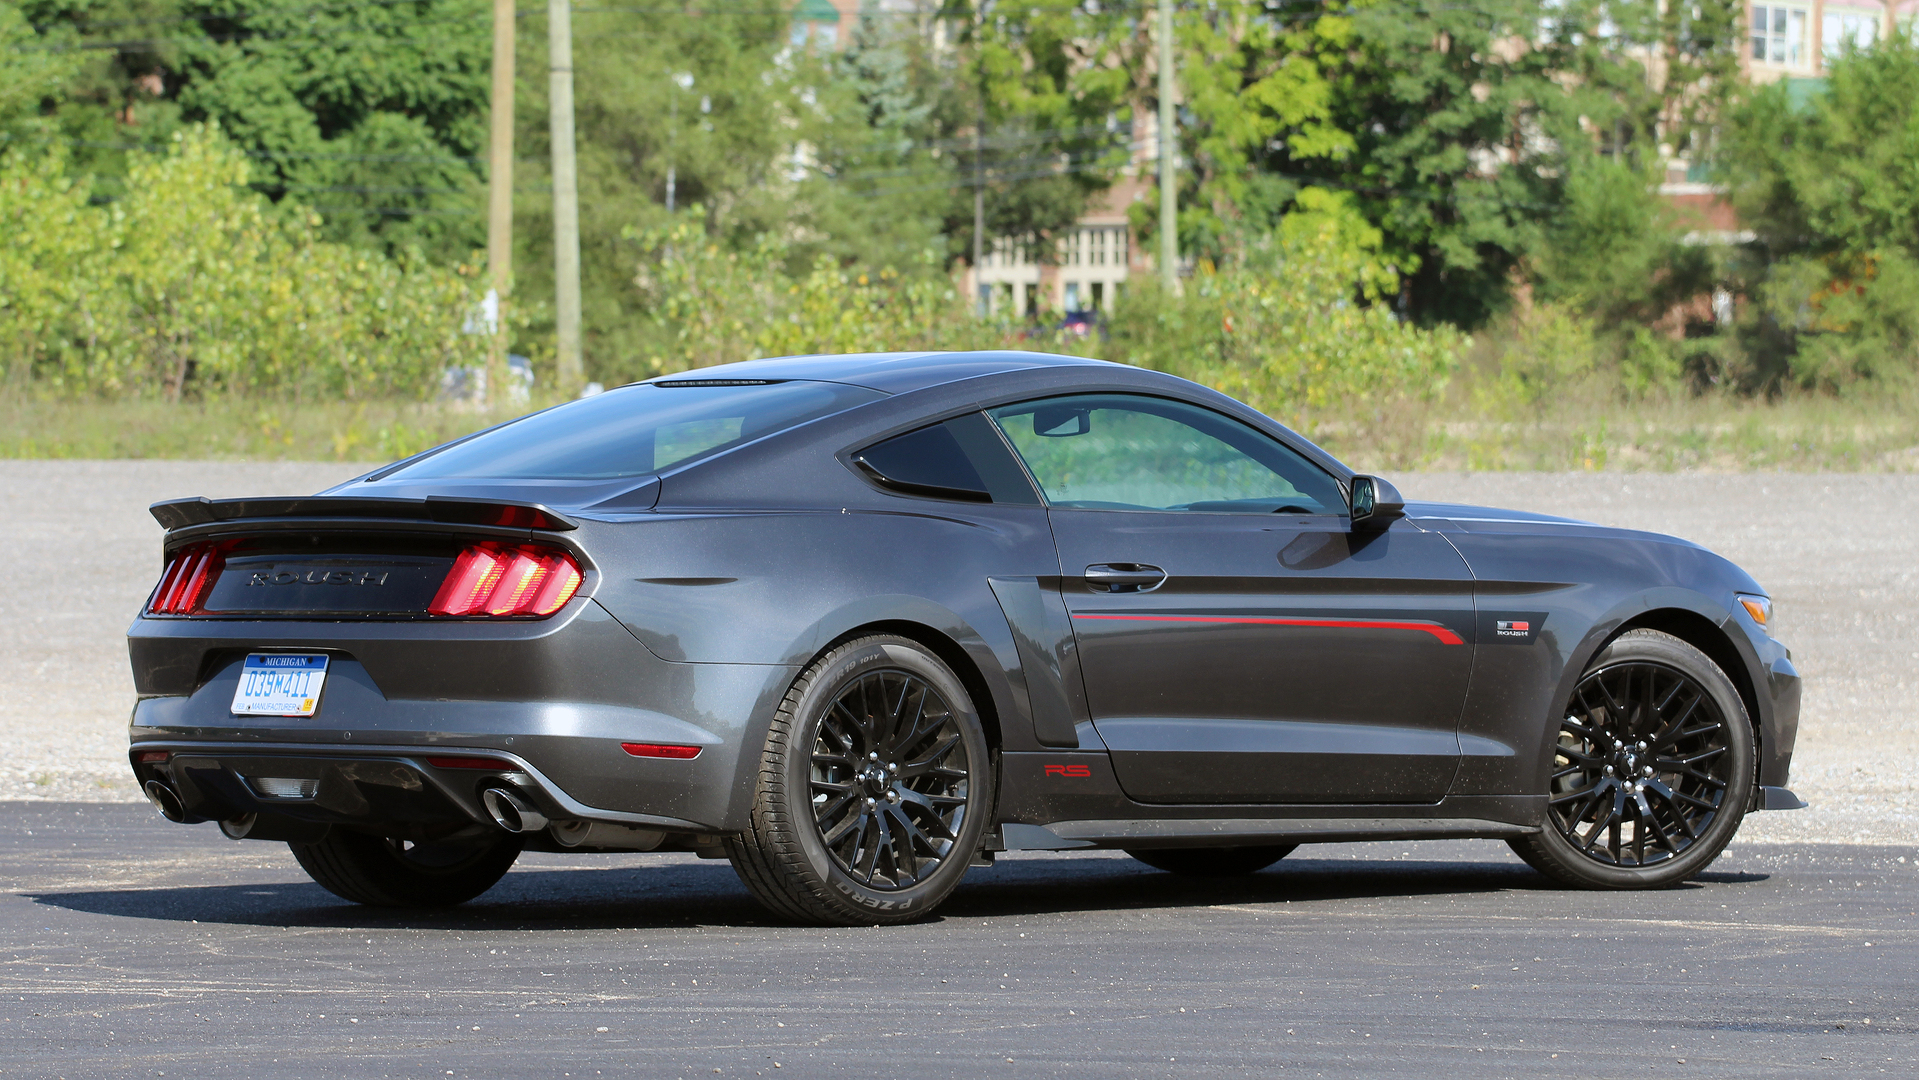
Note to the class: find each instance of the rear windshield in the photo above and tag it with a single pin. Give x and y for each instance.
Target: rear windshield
(635, 430)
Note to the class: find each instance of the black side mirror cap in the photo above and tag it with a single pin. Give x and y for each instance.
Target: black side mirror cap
(1374, 502)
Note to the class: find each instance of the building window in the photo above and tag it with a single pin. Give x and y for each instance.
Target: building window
(1842, 28)
(1779, 35)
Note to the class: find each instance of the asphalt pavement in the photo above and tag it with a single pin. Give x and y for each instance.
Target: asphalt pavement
(133, 947)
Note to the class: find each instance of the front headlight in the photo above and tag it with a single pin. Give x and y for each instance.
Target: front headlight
(1760, 608)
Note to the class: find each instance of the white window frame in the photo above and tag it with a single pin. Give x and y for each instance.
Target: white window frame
(1781, 35)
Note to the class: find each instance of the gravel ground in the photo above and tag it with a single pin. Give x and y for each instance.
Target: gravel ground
(1839, 553)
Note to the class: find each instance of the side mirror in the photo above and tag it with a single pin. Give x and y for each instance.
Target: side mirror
(1375, 502)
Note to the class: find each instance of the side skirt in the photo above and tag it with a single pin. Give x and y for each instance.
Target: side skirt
(1241, 832)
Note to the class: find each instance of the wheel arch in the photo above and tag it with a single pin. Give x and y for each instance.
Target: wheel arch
(950, 653)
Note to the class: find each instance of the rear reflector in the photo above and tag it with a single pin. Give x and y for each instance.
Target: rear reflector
(189, 574)
(508, 580)
(494, 764)
(151, 757)
(647, 749)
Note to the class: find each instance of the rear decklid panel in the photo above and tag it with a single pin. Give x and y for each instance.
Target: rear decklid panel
(356, 578)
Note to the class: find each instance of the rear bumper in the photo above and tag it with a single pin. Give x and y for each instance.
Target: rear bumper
(394, 788)
(558, 702)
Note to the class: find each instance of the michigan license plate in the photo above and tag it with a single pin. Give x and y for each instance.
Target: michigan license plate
(280, 684)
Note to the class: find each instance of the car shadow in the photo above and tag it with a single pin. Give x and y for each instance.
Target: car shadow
(688, 894)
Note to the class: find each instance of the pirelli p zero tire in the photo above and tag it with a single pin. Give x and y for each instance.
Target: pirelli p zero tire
(1212, 862)
(874, 788)
(1652, 771)
(382, 872)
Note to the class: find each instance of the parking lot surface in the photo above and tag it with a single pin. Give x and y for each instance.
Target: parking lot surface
(135, 948)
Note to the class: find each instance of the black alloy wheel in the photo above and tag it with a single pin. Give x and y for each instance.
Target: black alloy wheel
(873, 790)
(1651, 772)
(1212, 862)
(889, 780)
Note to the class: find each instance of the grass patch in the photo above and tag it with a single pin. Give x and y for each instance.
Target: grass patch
(236, 429)
(1586, 426)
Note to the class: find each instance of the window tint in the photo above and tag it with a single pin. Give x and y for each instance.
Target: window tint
(958, 459)
(635, 430)
(1130, 452)
(926, 462)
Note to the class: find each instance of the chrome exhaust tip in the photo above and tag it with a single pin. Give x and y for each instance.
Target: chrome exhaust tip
(166, 800)
(511, 812)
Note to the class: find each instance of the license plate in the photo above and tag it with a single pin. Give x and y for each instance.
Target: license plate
(280, 684)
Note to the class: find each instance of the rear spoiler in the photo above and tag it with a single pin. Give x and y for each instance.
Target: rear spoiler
(180, 513)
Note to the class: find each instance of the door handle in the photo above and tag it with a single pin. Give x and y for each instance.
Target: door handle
(1125, 577)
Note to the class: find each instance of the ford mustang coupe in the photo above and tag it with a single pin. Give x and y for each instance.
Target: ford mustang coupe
(857, 623)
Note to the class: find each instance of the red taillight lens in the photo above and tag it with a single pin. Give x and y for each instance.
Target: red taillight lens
(188, 577)
(470, 582)
(661, 750)
(505, 580)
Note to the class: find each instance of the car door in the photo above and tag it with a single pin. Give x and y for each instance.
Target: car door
(1240, 641)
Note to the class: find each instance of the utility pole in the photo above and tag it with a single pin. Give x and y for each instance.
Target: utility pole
(979, 172)
(979, 218)
(683, 80)
(566, 194)
(499, 196)
(1168, 150)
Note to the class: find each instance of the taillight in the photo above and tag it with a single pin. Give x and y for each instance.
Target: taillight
(505, 580)
(186, 580)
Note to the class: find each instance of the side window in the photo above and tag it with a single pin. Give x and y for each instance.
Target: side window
(1132, 452)
(958, 459)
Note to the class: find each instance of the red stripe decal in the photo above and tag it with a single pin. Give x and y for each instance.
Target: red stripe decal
(1444, 635)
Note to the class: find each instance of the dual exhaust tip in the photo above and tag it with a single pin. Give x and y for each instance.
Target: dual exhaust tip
(509, 810)
(512, 812)
(166, 800)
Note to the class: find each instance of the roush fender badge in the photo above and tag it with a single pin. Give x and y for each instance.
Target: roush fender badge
(1510, 627)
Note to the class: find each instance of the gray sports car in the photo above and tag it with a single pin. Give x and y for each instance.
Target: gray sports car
(856, 623)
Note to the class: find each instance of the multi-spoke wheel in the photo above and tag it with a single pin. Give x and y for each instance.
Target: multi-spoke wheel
(1651, 772)
(383, 872)
(873, 789)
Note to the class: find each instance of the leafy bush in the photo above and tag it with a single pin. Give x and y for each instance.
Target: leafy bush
(715, 306)
(192, 283)
(1283, 328)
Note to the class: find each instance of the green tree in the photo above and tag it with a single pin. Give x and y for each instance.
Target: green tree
(1830, 185)
(375, 114)
(1457, 130)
